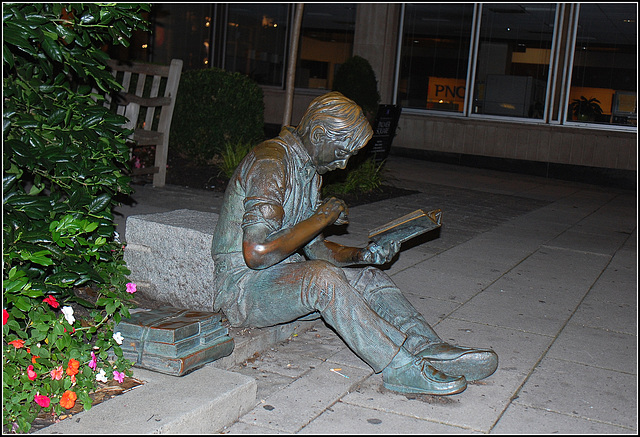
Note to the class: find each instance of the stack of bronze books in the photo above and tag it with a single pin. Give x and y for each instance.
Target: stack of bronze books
(173, 341)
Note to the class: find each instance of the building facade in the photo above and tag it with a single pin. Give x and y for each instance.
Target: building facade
(544, 84)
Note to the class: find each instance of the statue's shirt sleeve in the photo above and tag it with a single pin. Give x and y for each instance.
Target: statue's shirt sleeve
(265, 188)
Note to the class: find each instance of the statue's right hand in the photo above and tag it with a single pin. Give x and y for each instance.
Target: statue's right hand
(334, 209)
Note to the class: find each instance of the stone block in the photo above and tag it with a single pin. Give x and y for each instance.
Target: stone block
(169, 255)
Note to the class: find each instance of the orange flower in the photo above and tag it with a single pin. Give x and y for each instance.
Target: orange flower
(73, 366)
(33, 358)
(68, 399)
(17, 343)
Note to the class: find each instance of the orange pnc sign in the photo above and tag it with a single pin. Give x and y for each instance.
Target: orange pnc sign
(445, 90)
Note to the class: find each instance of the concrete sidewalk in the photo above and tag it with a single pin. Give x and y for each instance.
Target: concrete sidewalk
(542, 271)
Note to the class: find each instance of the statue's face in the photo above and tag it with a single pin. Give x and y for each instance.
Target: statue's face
(332, 155)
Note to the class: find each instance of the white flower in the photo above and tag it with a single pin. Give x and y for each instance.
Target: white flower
(102, 376)
(68, 314)
(118, 337)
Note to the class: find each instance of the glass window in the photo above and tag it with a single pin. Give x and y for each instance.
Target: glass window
(256, 35)
(513, 59)
(605, 65)
(180, 30)
(434, 56)
(326, 41)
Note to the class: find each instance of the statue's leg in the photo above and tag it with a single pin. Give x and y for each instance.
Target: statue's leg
(287, 291)
(387, 300)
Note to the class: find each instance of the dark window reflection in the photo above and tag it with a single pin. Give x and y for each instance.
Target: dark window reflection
(326, 41)
(435, 56)
(513, 59)
(256, 35)
(605, 66)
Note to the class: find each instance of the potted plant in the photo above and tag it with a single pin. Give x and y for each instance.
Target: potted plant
(585, 109)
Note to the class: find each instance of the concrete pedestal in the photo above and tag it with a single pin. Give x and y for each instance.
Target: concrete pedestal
(169, 255)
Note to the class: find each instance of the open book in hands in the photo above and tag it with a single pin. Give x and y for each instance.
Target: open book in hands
(407, 226)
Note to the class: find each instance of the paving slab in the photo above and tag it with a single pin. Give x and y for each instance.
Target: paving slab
(521, 419)
(540, 295)
(596, 347)
(367, 421)
(584, 391)
(612, 302)
(293, 407)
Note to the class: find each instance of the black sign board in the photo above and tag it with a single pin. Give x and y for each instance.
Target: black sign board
(384, 129)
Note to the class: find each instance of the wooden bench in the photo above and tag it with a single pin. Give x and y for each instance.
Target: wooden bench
(147, 100)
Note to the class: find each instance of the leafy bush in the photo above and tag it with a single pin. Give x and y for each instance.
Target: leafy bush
(232, 155)
(64, 160)
(356, 80)
(213, 108)
(364, 178)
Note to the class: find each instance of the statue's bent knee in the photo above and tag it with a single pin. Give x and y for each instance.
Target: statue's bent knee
(320, 283)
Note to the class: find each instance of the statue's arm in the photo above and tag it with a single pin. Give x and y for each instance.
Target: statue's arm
(263, 248)
(342, 256)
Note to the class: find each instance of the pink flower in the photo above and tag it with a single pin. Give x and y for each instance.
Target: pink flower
(51, 300)
(43, 401)
(56, 373)
(31, 373)
(131, 287)
(118, 376)
(94, 361)
(5, 316)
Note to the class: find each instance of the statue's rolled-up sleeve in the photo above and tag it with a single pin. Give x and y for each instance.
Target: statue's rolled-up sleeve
(265, 193)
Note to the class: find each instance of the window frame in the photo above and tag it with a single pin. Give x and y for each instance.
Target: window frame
(558, 81)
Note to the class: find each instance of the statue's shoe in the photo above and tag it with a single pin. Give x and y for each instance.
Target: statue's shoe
(473, 364)
(418, 376)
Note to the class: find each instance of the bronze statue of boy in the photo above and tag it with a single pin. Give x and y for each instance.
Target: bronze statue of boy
(273, 265)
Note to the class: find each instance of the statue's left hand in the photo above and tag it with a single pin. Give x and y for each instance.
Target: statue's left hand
(376, 253)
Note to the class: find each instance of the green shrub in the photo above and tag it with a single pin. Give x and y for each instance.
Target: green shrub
(64, 158)
(356, 80)
(213, 108)
(232, 155)
(364, 178)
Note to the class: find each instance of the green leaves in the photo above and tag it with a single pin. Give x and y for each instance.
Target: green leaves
(63, 161)
(214, 108)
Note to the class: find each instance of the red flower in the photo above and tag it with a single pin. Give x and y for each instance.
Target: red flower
(5, 316)
(17, 343)
(68, 399)
(51, 300)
